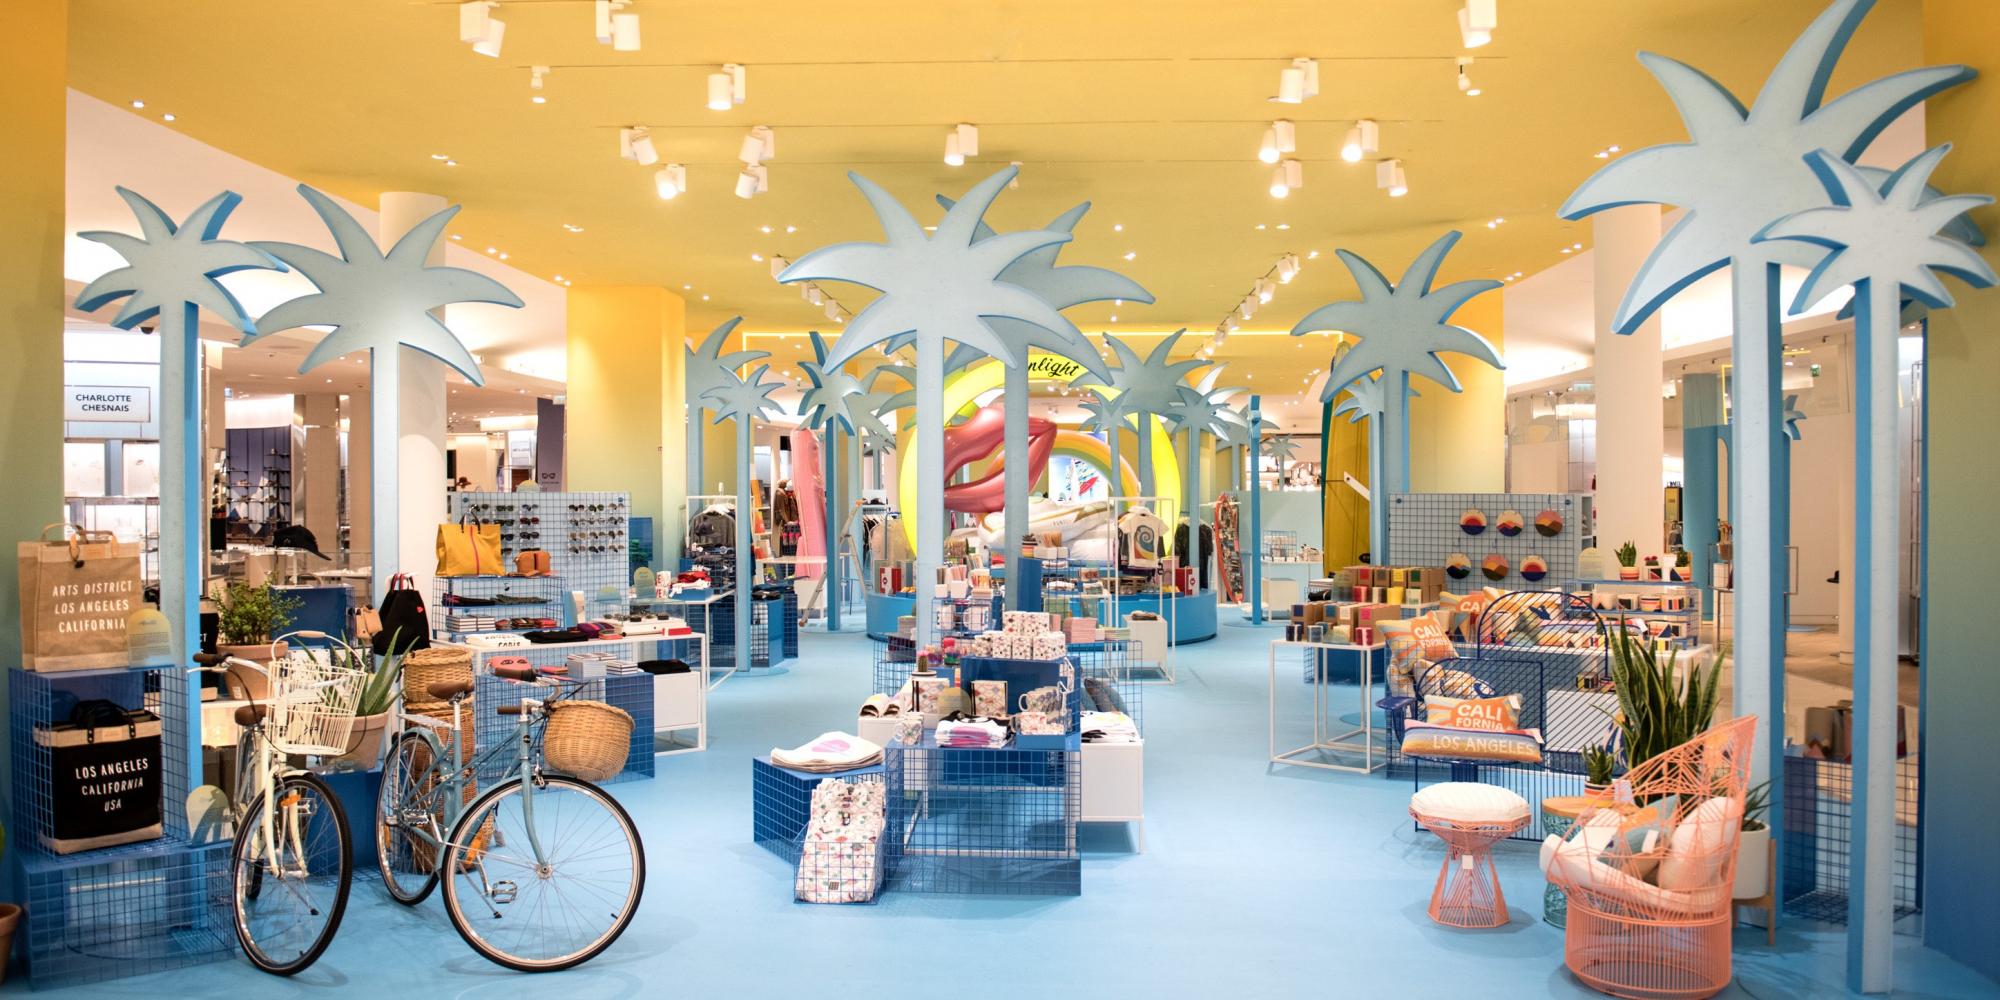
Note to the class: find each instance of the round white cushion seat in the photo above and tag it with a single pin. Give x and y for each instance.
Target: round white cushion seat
(1469, 803)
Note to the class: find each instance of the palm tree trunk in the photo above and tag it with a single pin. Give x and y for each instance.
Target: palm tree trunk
(1394, 464)
(1759, 550)
(1020, 475)
(1878, 474)
(1145, 447)
(1192, 556)
(385, 371)
(1114, 483)
(1378, 505)
(1253, 549)
(746, 562)
(183, 498)
(930, 503)
(697, 423)
(829, 448)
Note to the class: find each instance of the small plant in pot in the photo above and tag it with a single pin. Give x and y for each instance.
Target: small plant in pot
(371, 711)
(1598, 764)
(1683, 565)
(1753, 849)
(1628, 561)
(1653, 570)
(248, 616)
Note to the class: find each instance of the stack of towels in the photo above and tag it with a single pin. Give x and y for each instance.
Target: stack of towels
(983, 734)
(1108, 727)
(829, 752)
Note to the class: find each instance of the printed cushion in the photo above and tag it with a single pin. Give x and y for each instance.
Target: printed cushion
(1431, 679)
(1469, 802)
(1518, 746)
(1642, 840)
(1493, 715)
(1699, 845)
(1429, 632)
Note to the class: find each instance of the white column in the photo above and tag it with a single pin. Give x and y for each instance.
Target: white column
(316, 476)
(1630, 419)
(420, 405)
(360, 483)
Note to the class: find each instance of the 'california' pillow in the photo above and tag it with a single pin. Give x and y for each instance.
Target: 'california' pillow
(1496, 715)
(1519, 746)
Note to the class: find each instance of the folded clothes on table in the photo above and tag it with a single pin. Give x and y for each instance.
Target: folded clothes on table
(829, 752)
(982, 734)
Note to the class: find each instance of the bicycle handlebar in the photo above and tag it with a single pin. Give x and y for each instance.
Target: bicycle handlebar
(517, 673)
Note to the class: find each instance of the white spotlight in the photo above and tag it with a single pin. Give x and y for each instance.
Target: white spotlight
(778, 265)
(602, 11)
(625, 31)
(752, 181)
(473, 17)
(1265, 290)
(1267, 150)
(1465, 84)
(536, 75)
(1291, 86)
(496, 34)
(759, 144)
(1289, 176)
(953, 155)
(1248, 307)
(718, 92)
(1015, 182)
(968, 139)
(814, 295)
(1390, 177)
(636, 143)
(1287, 136)
(1477, 21)
(670, 181)
(1364, 138)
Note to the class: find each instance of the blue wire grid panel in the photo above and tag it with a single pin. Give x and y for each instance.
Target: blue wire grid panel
(1424, 531)
(1818, 832)
(40, 700)
(125, 911)
(587, 537)
(781, 803)
(545, 592)
(766, 618)
(1110, 682)
(984, 822)
(631, 692)
(895, 657)
(845, 854)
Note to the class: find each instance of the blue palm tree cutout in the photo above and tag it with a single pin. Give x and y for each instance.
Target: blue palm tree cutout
(380, 303)
(709, 366)
(169, 276)
(746, 401)
(1144, 387)
(940, 288)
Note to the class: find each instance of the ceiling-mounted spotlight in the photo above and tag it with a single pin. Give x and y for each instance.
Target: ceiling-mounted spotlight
(625, 31)
(636, 143)
(778, 265)
(1477, 21)
(1267, 150)
(1279, 139)
(1288, 268)
(727, 87)
(754, 180)
(602, 11)
(1389, 176)
(1289, 176)
(1015, 181)
(477, 25)
(1465, 84)
(953, 155)
(814, 295)
(670, 181)
(1298, 81)
(1264, 290)
(1363, 138)
(759, 144)
(833, 310)
(968, 138)
(1248, 307)
(536, 76)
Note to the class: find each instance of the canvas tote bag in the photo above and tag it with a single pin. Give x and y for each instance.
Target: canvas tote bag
(104, 777)
(469, 548)
(78, 590)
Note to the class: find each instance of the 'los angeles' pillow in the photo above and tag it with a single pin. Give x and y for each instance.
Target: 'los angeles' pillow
(1519, 746)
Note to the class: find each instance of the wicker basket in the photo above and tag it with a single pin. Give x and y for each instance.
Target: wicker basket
(436, 664)
(588, 739)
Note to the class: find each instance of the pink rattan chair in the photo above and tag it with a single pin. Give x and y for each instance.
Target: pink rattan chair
(1667, 937)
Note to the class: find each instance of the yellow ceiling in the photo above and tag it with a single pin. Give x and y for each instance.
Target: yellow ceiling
(1151, 110)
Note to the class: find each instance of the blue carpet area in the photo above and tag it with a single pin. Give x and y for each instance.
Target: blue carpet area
(1255, 882)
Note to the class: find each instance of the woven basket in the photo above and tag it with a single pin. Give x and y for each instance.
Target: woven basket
(588, 739)
(436, 664)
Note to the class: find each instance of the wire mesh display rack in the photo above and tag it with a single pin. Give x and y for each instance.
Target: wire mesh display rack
(631, 692)
(984, 822)
(120, 911)
(1100, 666)
(1818, 838)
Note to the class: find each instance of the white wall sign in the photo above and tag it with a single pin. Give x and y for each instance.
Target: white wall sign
(117, 403)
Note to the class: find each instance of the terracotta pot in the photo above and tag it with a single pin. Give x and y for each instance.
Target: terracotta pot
(251, 683)
(1628, 572)
(1599, 792)
(1753, 864)
(366, 739)
(10, 917)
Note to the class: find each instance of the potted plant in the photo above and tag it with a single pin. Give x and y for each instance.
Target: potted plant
(1653, 570)
(1598, 763)
(246, 618)
(371, 711)
(1683, 565)
(1659, 708)
(10, 918)
(1628, 561)
(1753, 848)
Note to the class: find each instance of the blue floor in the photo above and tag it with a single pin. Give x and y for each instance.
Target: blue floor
(1255, 882)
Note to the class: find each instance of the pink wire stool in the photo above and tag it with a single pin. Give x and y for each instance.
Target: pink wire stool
(1468, 888)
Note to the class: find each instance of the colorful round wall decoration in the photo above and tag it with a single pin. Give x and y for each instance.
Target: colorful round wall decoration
(1510, 523)
(1458, 565)
(1533, 568)
(1549, 523)
(1495, 567)
(1473, 521)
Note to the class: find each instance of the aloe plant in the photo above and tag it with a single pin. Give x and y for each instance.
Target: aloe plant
(1628, 554)
(1657, 709)
(1598, 763)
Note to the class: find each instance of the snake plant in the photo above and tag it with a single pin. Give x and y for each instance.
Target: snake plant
(1658, 707)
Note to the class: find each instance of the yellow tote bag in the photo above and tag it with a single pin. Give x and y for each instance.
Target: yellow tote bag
(469, 548)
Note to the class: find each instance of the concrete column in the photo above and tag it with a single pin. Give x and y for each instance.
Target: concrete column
(626, 351)
(1630, 424)
(316, 476)
(420, 409)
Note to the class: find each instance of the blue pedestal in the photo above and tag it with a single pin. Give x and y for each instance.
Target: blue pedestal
(358, 791)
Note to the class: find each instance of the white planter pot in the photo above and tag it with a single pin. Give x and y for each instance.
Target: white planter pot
(1753, 864)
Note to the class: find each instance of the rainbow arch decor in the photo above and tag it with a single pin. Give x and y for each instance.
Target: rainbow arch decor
(962, 389)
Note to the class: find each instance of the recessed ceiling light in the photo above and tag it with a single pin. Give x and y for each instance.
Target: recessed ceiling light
(1117, 227)
(766, 230)
(791, 229)
(169, 116)
(557, 278)
(1312, 254)
(503, 255)
(1259, 227)
(451, 163)
(492, 250)
(687, 288)
(457, 236)
(1576, 246)
(758, 257)
(1114, 317)
(1130, 254)
(538, 99)
(138, 104)
(704, 298)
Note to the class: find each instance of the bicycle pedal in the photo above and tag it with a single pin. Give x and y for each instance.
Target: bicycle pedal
(504, 892)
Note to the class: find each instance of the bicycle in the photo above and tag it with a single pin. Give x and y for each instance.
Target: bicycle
(541, 872)
(291, 862)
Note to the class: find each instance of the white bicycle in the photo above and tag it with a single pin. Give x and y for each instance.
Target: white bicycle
(292, 862)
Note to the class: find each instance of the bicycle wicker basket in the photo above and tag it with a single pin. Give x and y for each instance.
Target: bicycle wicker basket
(312, 705)
(588, 739)
(434, 665)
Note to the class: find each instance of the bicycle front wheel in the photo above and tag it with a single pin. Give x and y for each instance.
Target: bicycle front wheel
(290, 886)
(407, 827)
(541, 914)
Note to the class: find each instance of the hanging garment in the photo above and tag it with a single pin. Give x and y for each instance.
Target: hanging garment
(1188, 551)
(714, 526)
(1140, 539)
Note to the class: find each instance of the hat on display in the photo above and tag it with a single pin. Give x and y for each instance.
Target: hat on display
(1458, 565)
(1510, 523)
(296, 536)
(1549, 523)
(1473, 521)
(1494, 566)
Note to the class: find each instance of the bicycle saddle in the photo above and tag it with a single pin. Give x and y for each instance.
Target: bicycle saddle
(250, 715)
(447, 690)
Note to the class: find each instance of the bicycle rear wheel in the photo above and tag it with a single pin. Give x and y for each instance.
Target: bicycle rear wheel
(564, 910)
(289, 895)
(407, 826)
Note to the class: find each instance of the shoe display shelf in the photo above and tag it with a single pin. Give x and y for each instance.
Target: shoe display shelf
(119, 911)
